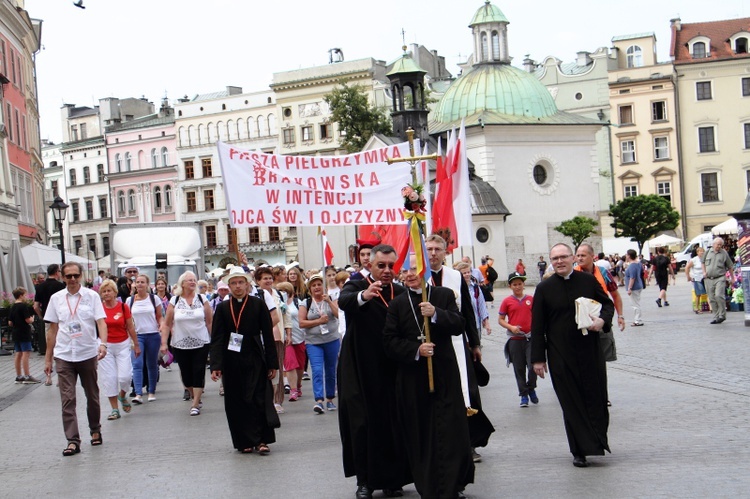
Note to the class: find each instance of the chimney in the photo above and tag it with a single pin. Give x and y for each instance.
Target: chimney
(234, 90)
(676, 24)
(583, 59)
(529, 65)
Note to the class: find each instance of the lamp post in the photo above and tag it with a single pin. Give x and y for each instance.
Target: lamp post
(59, 210)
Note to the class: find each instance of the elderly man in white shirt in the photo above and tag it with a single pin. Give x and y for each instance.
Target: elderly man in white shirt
(75, 313)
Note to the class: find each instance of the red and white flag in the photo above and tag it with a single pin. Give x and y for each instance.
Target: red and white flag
(451, 212)
(327, 251)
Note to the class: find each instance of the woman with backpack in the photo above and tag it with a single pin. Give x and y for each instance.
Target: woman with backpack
(146, 310)
(116, 368)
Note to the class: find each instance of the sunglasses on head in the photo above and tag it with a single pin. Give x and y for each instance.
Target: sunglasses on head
(72, 276)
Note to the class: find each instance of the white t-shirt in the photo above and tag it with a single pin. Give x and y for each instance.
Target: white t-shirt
(144, 315)
(604, 263)
(189, 330)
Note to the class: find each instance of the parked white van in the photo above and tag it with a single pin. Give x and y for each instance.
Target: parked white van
(684, 254)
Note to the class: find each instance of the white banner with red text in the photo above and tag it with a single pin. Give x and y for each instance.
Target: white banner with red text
(273, 189)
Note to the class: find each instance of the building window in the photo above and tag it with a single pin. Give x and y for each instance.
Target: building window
(273, 234)
(540, 174)
(121, 204)
(189, 172)
(253, 234)
(208, 199)
(164, 156)
(168, 198)
(626, 115)
(210, 236)
(661, 148)
(191, 204)
(73, 133)
(710, 187)
(706, 141)
(131, 202)
(74, 211)
(699, 50)
(307, 133)
(747, 135)
(86, 175)
(628, 151)
(8, 122)
(22, 189)
(659, 111)
(84, 135)
(105, 245)
(128, 162)
(72, 175)
(103, 207)
(53, 186)
(118, 162)
(288, 135)
(92, 247)
(89, 209)
(78, 244)
(495, 46)
(740, 46)
(231, 237)
(326, 131)
(207, 169)
(154, 158)
(631, 190)
(664, 189)
(100, 173)
(703, 90)
(485, 47)
(157, 198)
(635, 56)
(745, 87)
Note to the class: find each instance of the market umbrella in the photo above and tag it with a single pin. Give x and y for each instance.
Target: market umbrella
(17, 270)
(664, 240)
(726, 227)
(38, 256)
(4, 276)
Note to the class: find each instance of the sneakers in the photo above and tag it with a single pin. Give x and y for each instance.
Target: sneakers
(137, 400)
(666, 303)
(330, 406)
(318, 408)
(305, 375)
(30, 380)
(524, 401)
(287, 389)
(293, 396)
(658, 302)
(186, 396)
(19, 380)
(151, 397)
(533, 397)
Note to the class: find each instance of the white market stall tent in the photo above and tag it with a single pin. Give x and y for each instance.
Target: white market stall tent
(727, 227)
(664, 240)
(38, 256)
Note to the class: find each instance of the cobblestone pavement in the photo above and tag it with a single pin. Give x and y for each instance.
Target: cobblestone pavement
(680, 391)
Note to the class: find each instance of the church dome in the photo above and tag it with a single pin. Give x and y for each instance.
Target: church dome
(496, 89)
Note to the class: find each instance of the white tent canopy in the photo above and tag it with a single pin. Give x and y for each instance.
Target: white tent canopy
(38, 256)
(664, 240)
(725, 227)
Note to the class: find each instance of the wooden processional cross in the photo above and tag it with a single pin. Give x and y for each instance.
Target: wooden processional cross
(413, 160)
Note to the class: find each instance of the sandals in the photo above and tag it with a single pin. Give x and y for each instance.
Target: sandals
(126, 406)
(195, 411)
(72, 449)
(249, 450)
(115, 414)
(263, 449)
(96, 440)
(636, 324)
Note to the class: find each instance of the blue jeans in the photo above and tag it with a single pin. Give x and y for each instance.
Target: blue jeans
(323, 358)
(150, 344)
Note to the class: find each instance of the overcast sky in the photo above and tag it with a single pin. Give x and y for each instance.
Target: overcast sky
(134, 48)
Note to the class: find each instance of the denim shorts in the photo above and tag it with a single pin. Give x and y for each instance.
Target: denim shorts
(22, 346)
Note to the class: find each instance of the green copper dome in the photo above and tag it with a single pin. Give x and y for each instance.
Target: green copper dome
(488, 13)
(497, 89)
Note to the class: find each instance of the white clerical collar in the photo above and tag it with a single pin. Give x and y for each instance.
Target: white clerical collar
(566, 277)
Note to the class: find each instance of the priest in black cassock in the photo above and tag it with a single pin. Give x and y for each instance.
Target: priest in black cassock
(576, 362)
(243, 354)
(371, 446)
(433, 425)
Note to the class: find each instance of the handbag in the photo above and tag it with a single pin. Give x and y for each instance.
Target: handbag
(482, 374)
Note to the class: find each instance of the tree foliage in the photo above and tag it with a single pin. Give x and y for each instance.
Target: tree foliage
(578, 229)
(642, 217)
(355, 116)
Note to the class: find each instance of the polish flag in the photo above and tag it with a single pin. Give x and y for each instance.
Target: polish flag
(327, 252)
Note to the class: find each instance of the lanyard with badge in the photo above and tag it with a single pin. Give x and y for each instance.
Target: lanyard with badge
(74, 327)
(235, 339)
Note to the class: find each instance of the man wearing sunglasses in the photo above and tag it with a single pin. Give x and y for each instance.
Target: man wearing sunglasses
(127, 288)
(371, 449)
(76, 315)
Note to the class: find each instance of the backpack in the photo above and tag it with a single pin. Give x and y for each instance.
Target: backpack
(153, 302)
(491, 275)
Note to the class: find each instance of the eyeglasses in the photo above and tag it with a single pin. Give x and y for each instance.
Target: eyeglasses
(560, 258)
(72, 276)
(383, 265)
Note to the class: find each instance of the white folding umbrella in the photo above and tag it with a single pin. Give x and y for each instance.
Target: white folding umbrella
(664, 240)
(17, 269)
(4, 276)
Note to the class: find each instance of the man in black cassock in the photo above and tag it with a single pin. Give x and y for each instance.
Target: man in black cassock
(243, 354)
(371, 448)
(433, 425)
(576, 362)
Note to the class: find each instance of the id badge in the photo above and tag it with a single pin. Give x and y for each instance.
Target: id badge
(235, 342)
(74, 328)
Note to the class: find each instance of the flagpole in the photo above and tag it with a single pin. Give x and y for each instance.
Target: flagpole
(413, 160)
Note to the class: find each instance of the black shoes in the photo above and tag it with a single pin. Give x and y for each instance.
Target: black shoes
(399, 492)
(580, 462)
(363, 492)
(658, 302)
(718, 321)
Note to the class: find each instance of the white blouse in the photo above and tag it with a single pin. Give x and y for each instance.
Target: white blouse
(189, 330)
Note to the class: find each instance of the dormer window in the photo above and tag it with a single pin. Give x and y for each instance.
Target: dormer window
(635, 56)
(699, 50)
(740, 46)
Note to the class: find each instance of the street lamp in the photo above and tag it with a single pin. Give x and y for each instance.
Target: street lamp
(59, 210)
